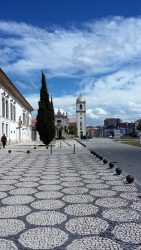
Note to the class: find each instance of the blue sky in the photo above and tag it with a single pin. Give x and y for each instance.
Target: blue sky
(87, 47)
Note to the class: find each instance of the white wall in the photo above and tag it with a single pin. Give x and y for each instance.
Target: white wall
(15, 133)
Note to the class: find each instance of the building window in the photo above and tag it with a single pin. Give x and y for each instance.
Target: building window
(6, 129)
(3, 128)
(7, 109)
(80, 106)
(24, 119)
(3, 107)
(27, 120)
(11, 111)
(14, 113)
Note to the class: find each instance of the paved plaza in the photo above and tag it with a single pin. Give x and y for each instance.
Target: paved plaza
(65, 201)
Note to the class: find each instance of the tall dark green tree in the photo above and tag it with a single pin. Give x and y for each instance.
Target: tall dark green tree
(45, 116)
(53, 119)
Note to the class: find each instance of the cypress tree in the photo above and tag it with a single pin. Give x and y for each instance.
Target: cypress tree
(44, 124)
(53, 119)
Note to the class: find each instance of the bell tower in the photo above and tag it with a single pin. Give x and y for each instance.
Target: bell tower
(81, 116)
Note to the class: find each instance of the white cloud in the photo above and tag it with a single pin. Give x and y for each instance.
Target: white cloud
(105, 55)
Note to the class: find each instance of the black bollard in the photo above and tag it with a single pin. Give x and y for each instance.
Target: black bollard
(105, 161)
(100, 157)
(129, 178)
(51, 149)
(118, 171)
(111, 164)
(34, 147)
(28, 151)
(74, 148)
(9, 151)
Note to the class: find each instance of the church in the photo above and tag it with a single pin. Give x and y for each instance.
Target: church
(62, 121)
(15, 112)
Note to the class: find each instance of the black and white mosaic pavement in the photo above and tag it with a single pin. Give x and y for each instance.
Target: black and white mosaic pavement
(65, 201)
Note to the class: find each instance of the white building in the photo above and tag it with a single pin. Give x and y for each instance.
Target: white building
(81, 116)
(15, 112)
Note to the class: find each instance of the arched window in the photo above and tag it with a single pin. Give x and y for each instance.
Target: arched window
(80, 106)
(11, 111)
(14, 113)
(24, 119)
(7, 109)
(3, 107)
(27, 120)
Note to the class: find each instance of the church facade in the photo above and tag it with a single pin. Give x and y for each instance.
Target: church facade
(61, 124)
(15, 112)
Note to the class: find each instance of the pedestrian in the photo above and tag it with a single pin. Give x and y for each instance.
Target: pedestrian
(3, 140)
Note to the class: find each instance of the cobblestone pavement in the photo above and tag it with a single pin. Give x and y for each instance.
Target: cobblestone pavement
(65, 201)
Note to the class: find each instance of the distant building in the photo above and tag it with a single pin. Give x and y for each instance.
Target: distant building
(61, 124)
(112, 123)
(81, 116)
(93, 131)
(15, 112)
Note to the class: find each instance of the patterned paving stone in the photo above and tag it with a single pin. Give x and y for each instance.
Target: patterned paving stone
(29, 179)
(6, 187)
(10, 226)
(95, 242)
(46, 218)
(43, 238)
(47, 204)
(111, 202)
(81, 209)
(49, 187)
(90, 176)
(50, 177)
(130, 196)
(136, 206)
(69, 175)
(72, 184)
(26, 184)
(97, 186)
(78, 198)
(86, 225)
(75, 190)
(49, 182)
(23, 191)
(7, 182)
(110, 178)
(92, 181)
(49, 195)
(2, 195)
(13, 177)
(13, 211)
(124, 188)
(115, 182)
(71, 179)
(12, 200)
(121, 215)
(102, 193)
(7, 245)
(128, 232)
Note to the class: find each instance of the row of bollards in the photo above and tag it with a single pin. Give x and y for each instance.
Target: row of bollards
(51, 146)
(129, 178)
